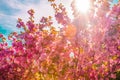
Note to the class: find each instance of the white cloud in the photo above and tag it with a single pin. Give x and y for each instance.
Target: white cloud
(42, 8)
(8, 22)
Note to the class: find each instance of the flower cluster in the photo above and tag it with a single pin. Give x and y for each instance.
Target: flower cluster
(86, 48)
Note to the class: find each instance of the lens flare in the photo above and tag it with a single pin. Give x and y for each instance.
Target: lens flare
(82, 5)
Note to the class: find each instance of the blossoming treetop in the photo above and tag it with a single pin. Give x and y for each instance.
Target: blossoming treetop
(85, 48)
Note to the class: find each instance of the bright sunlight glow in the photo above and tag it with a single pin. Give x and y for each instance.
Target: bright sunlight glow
(82, 5)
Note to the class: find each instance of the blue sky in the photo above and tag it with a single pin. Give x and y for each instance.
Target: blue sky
(10, 10)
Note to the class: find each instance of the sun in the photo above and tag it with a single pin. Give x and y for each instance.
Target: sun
(82, 5)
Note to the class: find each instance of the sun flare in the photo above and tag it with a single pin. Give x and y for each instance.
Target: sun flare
(82, 5)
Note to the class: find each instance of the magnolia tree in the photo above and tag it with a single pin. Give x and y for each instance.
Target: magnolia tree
(85, 48)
